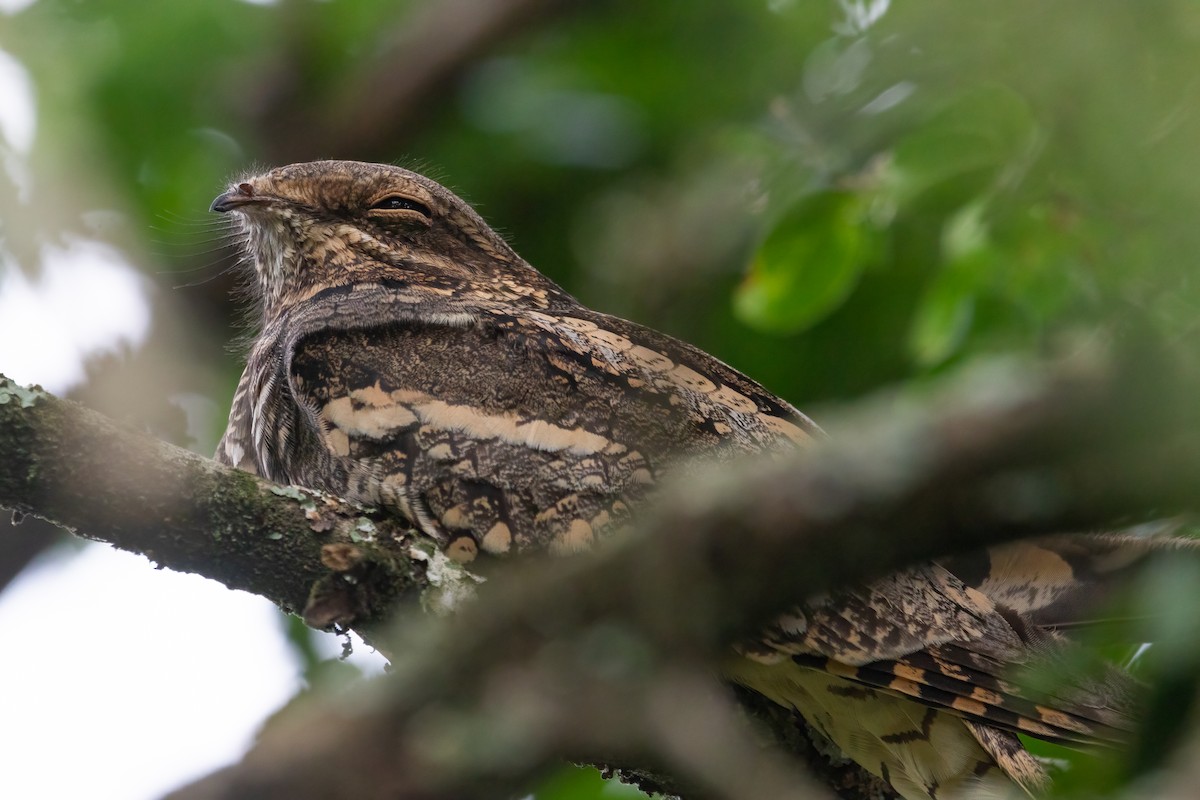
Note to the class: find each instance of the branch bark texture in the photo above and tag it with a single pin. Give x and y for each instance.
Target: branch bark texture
(332, 561)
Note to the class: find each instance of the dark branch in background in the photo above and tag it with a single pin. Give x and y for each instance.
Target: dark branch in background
(373, 109)
(607, 656)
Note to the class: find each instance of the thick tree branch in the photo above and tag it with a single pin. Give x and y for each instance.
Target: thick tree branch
(329, 560)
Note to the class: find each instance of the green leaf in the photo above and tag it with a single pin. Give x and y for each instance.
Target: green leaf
(1078, 773)
(944, 314)
(585, 783)
(963, 150)
(808, 264)
(1166, 595)
(942, 320)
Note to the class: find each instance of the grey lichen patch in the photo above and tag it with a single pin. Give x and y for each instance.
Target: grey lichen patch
(326, 512)
(357, 529)
(293, 492)
(450, 584)
(307, 500)
(227, 496)
(23, 396)
(364, 531)
(320, 509)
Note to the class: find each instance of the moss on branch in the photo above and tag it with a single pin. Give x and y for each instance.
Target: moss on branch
(332, 561)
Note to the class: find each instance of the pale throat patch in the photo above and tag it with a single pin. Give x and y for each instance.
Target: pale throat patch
(272, 243)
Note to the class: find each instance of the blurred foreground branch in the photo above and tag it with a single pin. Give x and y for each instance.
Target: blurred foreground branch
(606, 656)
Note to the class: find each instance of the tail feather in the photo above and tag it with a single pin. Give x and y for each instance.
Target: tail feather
(1009, 712)
(1011, 756)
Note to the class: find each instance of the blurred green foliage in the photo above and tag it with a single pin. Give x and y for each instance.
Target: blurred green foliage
(828, 195)
(585, 783)
(880, 188)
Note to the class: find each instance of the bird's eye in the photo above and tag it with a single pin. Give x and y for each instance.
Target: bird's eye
(399, 203)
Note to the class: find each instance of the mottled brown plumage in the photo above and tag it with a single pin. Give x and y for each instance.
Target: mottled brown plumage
(408, 358)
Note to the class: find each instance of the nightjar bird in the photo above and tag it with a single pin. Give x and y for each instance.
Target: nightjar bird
(408, 358)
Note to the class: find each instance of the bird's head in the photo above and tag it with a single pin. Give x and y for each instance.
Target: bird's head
(311, 226)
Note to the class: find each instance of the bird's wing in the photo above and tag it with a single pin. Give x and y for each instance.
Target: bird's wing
(522, 430)
(954, 634)
(1063, 582)
(954, 638)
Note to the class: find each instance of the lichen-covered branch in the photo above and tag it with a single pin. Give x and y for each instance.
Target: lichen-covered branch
(329, 560)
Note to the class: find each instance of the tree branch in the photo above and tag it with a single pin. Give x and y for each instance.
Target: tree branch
(329, 560)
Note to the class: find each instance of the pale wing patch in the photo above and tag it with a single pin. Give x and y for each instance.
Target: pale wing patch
(372, 396)
(576, 538)
(1025, 577)
(338, 441)
(538, 434)
(651, 360)
(463, 550)
(784, 428)
(372, 413)
(498, 539)
(575, 324)
(457, 517)
(690, 379)
(613, 341)
(367, 421)
(733, 399)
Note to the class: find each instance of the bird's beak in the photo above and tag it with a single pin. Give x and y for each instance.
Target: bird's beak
(238, 196)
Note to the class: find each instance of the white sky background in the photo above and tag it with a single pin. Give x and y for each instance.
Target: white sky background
(121, 681)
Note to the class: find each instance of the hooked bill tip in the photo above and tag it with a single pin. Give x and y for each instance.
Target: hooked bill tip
(244, 193)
